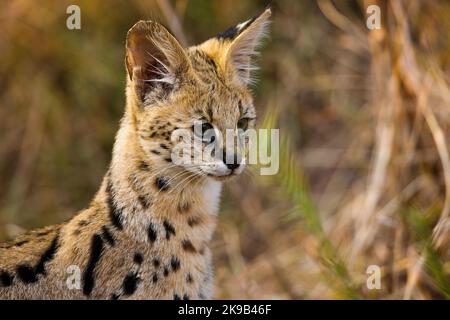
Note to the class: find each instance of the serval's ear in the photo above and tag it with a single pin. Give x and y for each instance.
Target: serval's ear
(153, 58)
(244, 40)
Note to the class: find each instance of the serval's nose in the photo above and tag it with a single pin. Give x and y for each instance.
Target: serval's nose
(232, 160)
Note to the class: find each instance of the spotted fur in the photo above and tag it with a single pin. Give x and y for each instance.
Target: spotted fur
(146, 233)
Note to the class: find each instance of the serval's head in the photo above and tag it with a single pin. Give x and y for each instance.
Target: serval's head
(188, 104)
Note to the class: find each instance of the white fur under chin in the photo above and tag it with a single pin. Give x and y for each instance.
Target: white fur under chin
(211, 191)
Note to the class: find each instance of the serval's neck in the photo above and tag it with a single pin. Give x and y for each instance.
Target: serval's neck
(142, 192)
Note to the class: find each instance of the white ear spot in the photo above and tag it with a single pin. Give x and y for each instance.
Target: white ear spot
(245, 46)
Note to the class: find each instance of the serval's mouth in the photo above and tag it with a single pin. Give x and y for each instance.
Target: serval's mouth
(223, 177)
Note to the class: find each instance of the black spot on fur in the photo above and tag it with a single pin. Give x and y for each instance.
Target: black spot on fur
(20, 243)
(138, 258)
(156, 263)
(47, 256)
(94, 258)
(162, 184)
(107, 236)
(188, 246)
(185, 297)
(130, 284)
(170, 230)
(114, 296)
(166, 272)
(6, 279)
(155, 278)
(83, 223)
(29, 274)
(165, 147)
(156, 152)
(169, 160)
(176, 297)
(151, 232)
(114, 212)
(175, 263)
(193, 221)
(26, 274)
(189, 278)
(213, 65)
(43, 233)
(145, 202)
(144, 166)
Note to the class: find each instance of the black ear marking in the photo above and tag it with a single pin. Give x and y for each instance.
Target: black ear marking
(234, 31)
(243, 41)
(228, 34)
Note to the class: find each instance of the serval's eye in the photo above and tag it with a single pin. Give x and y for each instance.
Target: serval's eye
(243, 123)
(205, 132)
(205, 127)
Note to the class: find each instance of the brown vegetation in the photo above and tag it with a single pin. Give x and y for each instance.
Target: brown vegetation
(365, 124)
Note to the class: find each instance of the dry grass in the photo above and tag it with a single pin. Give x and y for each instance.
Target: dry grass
(365, 123)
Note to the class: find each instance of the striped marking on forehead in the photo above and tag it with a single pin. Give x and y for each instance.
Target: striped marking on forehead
(205, 66)
(213, 110)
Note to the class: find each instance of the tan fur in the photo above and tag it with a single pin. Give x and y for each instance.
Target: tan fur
(146, 233)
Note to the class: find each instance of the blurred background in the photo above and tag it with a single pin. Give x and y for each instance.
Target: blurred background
(364, 118)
